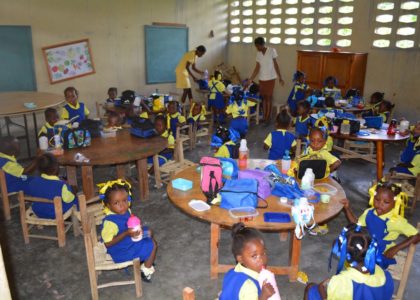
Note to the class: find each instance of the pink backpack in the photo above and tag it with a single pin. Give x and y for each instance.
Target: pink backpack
(211, 177)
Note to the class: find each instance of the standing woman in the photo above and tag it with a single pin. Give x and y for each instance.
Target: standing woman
(183, 71)
(268, 71)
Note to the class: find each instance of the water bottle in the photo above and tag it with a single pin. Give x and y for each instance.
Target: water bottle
(307, 179)
(345, 127)
(266, 275)
(404, 125)
(392, 128)
(243, 155)
(57, 141)
(285, 162)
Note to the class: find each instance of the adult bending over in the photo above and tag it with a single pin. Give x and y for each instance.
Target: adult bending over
(183, 71)
(268, 71)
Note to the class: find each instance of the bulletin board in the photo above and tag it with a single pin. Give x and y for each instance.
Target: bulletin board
(164, 47)
(69, 60)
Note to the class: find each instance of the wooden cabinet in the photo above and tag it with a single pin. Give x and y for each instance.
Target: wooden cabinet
(349, 68)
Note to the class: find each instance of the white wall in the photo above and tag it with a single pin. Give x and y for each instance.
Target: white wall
(395, 72)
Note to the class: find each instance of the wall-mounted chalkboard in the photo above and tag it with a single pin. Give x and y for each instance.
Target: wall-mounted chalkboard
(17, 72)
(164, 47)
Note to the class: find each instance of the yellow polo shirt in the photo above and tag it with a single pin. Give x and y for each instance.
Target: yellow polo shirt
(66, 195)
(12, 167)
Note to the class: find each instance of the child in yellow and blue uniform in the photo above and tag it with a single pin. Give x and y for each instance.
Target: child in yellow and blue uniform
(330, 88)
(410, 157)
(303, 121)
(51, 117)
(225, 140)
(363, 279)
(73, 107)
(249, 251)
(16, 175)
(238, 108)
(49, 186)
(197, 114)
(384, 110)
(216, 97)
(161, 129)
(385, 221)
(298, 91)
(174, 118)
(323, 123)
(280, 140)
(117, 236)
(375, 101)
(330, 107)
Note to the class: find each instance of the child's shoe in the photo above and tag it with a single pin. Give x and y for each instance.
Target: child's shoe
(319, 230)
(146, 273)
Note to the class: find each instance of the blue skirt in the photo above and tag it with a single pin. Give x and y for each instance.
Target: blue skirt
(218, 102)
(240, 125)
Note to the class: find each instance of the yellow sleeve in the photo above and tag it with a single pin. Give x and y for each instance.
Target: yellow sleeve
(64, 114)
(191, 57)
(362, 218)
(109, 230)
(294, 121)
(66, 195)
(340, 288)
(220, 86)
(406, 228)
(248, 291)
(268, 141)
(43, 131)
(330, 143)
(229, 109)
(329, 158)
(223, 151)
(13, 168)
(416, 165)
(294, 143)
(171, 142)
(202, 118)
(181, 119)
(144, 115)
(87, 112)
(251, 103)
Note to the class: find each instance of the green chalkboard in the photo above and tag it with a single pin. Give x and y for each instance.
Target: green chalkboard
(17, 72)
(164, 47)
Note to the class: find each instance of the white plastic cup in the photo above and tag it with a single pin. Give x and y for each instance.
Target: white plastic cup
(57, 141)
(139, 237)
(137, 101)
(43, 143)
(404, 124)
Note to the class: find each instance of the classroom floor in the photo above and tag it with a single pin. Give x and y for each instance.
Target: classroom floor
(41, 270)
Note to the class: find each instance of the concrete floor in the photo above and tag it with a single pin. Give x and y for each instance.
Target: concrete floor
(41, 270)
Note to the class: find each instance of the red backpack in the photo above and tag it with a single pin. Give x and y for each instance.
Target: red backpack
(211, 177)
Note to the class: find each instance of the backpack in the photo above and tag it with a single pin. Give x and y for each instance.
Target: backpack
(229, 168)
(264, 189)
(211, 177)
(143, 128)
(127, 97)
(76, 138)
(303, 215)
(239, 193)
(93, 126)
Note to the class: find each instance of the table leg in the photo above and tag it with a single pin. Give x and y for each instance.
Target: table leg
(87, 182)
(120, 171)
(294, 257)
(28, 143)
(35, 129)
(379, 159)
(157, 171)
(143, 179)
(214, 250)
(71, 175)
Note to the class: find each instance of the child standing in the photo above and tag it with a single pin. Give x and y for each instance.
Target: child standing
(303, 121)
(361, 280)
(73, 107)
(112, 95)
(298, 91)
(385, 221)
(116, 234)
(238, 108)
(49, 186)
(16, 175)
(161, 129)
(410, 157)
(216, 97)
(51, 117)
(280, 140)
(330, 88)
(197, 113)
(174, 118)
(249, 251)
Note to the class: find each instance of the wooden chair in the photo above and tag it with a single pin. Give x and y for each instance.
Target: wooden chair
(401, 270)
(205, 130)
(255, 115)
(5, 196)
(28, 219)
(185, 133)
(188, 294)
(359, 149)
(98, 260)
(95, 208)
(412, 191)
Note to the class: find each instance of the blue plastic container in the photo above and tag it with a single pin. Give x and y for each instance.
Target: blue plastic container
(374, 122)
(277, 217)
(182, 184)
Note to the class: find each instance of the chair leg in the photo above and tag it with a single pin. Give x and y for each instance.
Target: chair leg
(416, 192)
(188, 294)
(76, 223)
(22, 209)
(61, 232)
(406, 272)
(137, 277)
(4, 196)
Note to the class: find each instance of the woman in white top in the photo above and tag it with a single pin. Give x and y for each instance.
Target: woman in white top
(268, 71)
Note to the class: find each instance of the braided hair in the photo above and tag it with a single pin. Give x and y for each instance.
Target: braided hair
(400, 198)
(107, 188)
(358, 241)
(242, 235)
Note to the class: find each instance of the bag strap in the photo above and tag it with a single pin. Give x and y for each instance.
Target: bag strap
(263, 200)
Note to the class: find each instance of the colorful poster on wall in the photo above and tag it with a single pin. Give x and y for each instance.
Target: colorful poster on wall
(68, 60)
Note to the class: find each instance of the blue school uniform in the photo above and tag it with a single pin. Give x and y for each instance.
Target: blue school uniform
(49, 187)
(296, 94)
(165, 156)
(216, 97)
(173, 120)
(15, 179)
(302, 126)
(237, 279)
(47, 130)
(70, 111)
(228, 150)
(409, 151)
(279, 141)
(126, 249)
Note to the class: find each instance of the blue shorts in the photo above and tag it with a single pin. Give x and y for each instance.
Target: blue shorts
(218, 102)
(240, 125)
(141, 249)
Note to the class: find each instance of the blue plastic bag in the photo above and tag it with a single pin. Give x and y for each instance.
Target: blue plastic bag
(229, 167)
(239, 193)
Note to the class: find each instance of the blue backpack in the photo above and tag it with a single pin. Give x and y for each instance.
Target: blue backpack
(229, 167)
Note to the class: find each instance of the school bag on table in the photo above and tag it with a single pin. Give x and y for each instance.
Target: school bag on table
(93, 126)
(76, 138)
(142, 128)
(239, 193)
(230, 168)
(127, 98)
(264, 188)
(211, 177)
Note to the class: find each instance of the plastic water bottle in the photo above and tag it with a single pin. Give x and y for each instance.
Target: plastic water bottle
(345, 127)
(307, 179)
(135, 224)
(285, 162)
(57, 141)
(243, 155)
(266, 275)
(404, 125)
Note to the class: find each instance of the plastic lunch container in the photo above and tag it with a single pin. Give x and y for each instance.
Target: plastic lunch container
(243, 213)
(182, 184)
(325, 188)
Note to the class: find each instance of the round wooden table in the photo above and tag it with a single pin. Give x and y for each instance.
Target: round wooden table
(219, 217)
(119, 150)
(12, 104)
(379, 137)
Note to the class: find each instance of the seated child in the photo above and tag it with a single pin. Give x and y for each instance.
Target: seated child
(161, 129)
(280, 140)
(216, 97)
(384, 110)
(410, 157)
(298, 91)
(238, 108)
(303, 120)
(385, 221)
(145, 110)
(49, 186)
(117, 236)
(375, 101)
(174, 118)
(330, 88)
(51, 117)
(113, 120)
(323, 123)
(312, 98)
(112, 95)
(73, 107)
(197, 113)
(16, 175)
(330, 107)
(225, 140)
(362, 279)
(249, 251)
